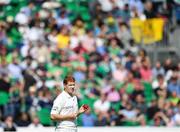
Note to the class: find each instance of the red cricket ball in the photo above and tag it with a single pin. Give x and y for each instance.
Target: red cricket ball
(85, 106)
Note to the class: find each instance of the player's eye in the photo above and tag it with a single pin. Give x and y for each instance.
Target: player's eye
(71, 85)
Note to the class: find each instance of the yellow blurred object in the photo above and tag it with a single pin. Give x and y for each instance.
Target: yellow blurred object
(110, 21)
(148, 31)
(9, 19)
(63, 41)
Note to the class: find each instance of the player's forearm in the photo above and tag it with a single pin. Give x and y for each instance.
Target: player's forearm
(57, 117)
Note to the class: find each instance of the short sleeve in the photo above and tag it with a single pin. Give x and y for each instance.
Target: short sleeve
(57, 105)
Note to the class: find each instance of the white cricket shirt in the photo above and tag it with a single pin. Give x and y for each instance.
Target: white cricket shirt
(64, 104)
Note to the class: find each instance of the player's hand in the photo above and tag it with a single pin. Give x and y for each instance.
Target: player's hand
(83, 108)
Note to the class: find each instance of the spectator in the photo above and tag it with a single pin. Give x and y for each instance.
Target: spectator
(88, 41)
(131, 114)
(24, 120)
(35, 33)
(160, 86)
(63, 38)
(32, 101)
(113, 117)
(135, 71)
(29, 79)
(106, 5)
(140, 104)
(152, 109)
(120, 73)
(176, 118)
(102, 105)
(101, 120)
(9, 125)
(160, 119)
(88, 118)
(158, 69)
(3, 36)
(149, 10)
(21, 18)
(174, 86)
(28, 10)
(4, 83)
(63, 19)
(40, 53)
(145, 71)
(113, 96)
(15, 70)
(137, 4)
(35, 123)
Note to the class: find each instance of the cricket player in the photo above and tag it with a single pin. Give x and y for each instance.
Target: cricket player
(65, 108)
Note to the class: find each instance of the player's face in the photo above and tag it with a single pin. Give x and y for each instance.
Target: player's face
(70, 87)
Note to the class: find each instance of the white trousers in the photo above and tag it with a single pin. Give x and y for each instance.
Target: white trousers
(66, 129)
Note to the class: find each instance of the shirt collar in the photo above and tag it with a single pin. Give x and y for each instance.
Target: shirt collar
(67, 94)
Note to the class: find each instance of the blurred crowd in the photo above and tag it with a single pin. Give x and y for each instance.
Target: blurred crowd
(114, 75)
